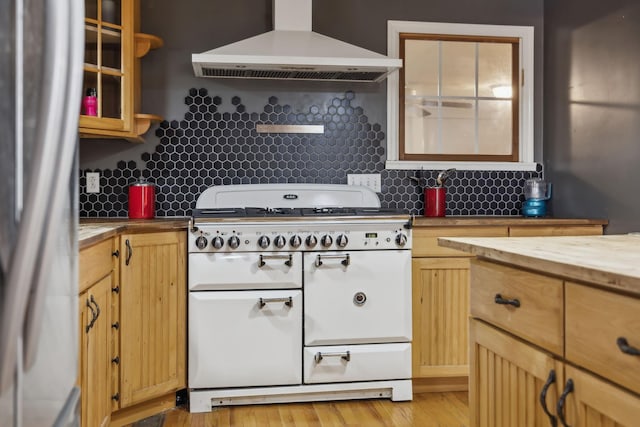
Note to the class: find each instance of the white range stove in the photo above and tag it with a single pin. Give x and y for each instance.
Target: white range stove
(305, 298)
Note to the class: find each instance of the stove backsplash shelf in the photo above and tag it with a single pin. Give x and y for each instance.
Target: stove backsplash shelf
(211, 147)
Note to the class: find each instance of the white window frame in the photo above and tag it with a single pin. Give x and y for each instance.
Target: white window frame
(526, 148)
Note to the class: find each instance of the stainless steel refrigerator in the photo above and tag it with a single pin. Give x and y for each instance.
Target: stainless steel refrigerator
(41, 60)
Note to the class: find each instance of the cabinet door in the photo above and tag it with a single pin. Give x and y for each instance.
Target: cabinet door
(152, 315)
(440, 317)
(507, 379)
(108, 65)
(596, 403)
(96, 362)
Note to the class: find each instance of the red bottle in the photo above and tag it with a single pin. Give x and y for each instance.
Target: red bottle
(142, 199)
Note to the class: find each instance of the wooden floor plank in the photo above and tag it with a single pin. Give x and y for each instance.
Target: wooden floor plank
(425, 410)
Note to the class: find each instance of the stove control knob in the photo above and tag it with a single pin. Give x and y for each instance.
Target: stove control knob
(234, 242)
(342, 241)
(279, 242)
(326, 241)
(311, 241)
(201, 242)
(401, 239)
(295, 241)
(217, 242)
(263, 242)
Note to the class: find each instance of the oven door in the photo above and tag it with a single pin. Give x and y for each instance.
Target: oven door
(245, 338)
(245, 270)
(357, 297)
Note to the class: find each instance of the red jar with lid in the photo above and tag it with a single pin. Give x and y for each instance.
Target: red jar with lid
(142, 199)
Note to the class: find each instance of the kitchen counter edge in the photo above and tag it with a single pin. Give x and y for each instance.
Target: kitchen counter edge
(609, 261)
(94, 230)
(421, 221)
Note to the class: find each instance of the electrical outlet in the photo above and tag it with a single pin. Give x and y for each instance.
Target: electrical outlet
(93, 182)
(371, 180)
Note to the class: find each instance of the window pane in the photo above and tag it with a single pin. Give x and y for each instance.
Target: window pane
(421, 128)
(458, 127)
(421, 67)
(458, 68)
(111, 96)
(494, 69)
(495, 127)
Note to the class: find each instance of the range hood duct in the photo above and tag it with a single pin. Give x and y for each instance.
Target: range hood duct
(293, 52)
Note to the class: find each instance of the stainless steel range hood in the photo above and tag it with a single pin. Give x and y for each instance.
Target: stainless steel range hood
(293, 52)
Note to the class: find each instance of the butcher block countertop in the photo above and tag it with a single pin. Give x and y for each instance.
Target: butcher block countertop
(421, 221)
(611, 261)
(94, 230)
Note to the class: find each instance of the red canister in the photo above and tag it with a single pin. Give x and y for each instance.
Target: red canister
(434, 201)
(142, 200)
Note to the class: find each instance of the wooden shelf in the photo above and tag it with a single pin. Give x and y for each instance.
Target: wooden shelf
(146, 42)
(143, 122)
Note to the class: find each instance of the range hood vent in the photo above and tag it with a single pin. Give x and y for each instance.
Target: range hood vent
(293, 52)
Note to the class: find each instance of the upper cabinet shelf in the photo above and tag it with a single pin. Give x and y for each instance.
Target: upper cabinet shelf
(113, 48)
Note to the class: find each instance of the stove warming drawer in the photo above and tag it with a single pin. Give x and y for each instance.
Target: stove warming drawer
(249, 338)
(357, 363)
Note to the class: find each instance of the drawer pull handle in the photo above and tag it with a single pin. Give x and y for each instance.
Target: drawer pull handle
(624, 347)
(288, 301)
(514, 302)
(346, 261)
(93, 317)
(568, 388)
(346, 356)
(129, 251)
(543, 397)
(288, 258)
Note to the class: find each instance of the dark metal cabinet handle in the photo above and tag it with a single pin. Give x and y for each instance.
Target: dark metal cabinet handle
(116, 360)
(568, 388)
(116, 290)
(93, 301)
(503, 301)
(116, 253)
(129, 251)
(116, 325)
(116, 397)
(93, 317)
(543, 397)
(624, 347)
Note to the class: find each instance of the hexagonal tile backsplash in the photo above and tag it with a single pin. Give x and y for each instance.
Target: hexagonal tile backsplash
(208, 147)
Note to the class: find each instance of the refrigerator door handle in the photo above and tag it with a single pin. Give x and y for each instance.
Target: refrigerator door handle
(30, 243)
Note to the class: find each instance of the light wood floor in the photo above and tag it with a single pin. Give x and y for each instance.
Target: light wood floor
(426, 410)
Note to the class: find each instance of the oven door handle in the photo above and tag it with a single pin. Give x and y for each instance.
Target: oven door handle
(288, 262)
(346, 356)
(346, 259)
(288, 301)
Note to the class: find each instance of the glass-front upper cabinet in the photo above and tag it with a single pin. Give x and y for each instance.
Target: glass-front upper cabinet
(107, 69)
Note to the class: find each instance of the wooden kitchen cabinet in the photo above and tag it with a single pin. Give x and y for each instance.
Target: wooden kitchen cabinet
(594, 382)
(152, 316)
(113, 48)
(441, 296)
(98, 275)
(508, 378)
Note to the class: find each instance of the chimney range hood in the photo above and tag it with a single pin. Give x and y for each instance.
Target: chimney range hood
(293, 52)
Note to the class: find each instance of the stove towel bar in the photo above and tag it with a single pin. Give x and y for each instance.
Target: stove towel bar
(346, 261)
(288, 262)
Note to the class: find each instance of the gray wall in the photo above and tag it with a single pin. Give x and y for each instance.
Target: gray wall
(198, 25)
(592, 109)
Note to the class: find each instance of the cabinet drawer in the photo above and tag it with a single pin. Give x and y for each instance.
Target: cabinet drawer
(595, 319)
(363, 363)
(425, 239)
(95, 263)
(539, 316)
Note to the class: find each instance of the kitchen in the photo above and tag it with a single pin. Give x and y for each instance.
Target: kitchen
(570, 125)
